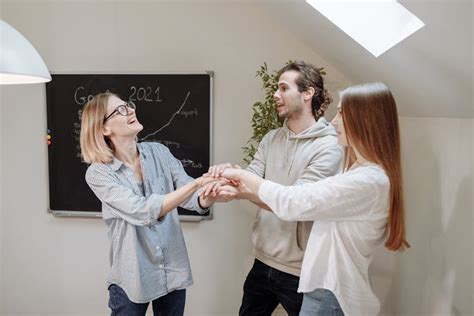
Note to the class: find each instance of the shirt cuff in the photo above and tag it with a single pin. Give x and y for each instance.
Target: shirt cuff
(156, 201)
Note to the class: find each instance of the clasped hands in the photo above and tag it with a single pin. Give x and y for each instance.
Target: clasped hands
(222, 184)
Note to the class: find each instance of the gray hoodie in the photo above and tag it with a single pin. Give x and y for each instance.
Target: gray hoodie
(291, 159)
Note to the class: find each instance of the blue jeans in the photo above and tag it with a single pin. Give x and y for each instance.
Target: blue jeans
(172, 304)
(320, 302)
(265, 287)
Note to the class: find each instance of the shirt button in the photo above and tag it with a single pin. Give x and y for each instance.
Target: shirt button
(161, 266)
(157, 247)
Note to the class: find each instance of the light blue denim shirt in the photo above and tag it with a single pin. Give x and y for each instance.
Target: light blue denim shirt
(148, 257)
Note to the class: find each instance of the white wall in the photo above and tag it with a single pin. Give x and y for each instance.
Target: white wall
(58, 266)
(1, 198)
(435, 276)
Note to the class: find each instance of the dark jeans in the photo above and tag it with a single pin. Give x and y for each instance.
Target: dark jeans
(172, 304)
(265, 287)
(321, 302)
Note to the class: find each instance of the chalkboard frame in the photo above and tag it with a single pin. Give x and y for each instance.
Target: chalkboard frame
(91, 214)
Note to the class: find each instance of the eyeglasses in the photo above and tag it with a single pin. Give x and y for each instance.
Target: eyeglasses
(122, 109)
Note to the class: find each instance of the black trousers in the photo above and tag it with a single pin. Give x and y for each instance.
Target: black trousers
(265, 287)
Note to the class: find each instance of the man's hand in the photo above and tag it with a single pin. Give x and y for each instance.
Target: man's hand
(233, 175)
(216, 170)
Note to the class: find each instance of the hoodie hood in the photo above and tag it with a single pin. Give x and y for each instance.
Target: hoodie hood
(321, 128)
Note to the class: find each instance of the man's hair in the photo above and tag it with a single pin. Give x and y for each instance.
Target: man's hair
(94, 146)
(310, 76)
(370, 118)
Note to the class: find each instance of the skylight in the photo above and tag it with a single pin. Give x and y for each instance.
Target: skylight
(377, 25)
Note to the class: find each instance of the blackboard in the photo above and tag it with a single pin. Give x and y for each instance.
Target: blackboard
(174, 109)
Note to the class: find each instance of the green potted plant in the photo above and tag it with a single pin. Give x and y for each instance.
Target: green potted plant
(264, 116)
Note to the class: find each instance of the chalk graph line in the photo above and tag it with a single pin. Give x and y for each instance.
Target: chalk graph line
(171, 119)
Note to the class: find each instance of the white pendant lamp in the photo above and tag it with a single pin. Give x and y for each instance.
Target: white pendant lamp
(20, 63)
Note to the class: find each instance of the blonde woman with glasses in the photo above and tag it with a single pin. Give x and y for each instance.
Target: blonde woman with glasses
(140, 186)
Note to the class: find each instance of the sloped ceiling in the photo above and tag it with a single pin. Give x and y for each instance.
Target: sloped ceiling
(430, 72)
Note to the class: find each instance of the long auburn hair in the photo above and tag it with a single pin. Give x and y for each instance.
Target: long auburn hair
(370, 119)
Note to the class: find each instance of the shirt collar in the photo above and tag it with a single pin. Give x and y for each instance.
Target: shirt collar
(116, 163)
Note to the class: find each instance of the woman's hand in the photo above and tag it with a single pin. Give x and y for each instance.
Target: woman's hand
(204, 180)
(218, 191)
(240, 190)
(211, 189)
(175, 198)
(215, 192)
(243, 177)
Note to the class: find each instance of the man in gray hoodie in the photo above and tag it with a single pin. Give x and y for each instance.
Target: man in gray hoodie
(304, 150)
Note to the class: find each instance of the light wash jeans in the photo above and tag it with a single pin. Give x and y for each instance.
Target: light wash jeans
(320, 302)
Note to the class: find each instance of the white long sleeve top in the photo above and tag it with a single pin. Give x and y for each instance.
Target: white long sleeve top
(350, 214)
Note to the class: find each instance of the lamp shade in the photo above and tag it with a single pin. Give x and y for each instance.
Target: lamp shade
(19, 61)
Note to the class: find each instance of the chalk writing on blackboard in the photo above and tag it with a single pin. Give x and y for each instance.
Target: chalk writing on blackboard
(169, 121)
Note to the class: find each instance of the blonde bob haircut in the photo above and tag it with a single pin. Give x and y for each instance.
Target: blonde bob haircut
(95, 147)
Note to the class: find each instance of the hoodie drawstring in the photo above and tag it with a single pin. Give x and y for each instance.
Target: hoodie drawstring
(293, 156)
